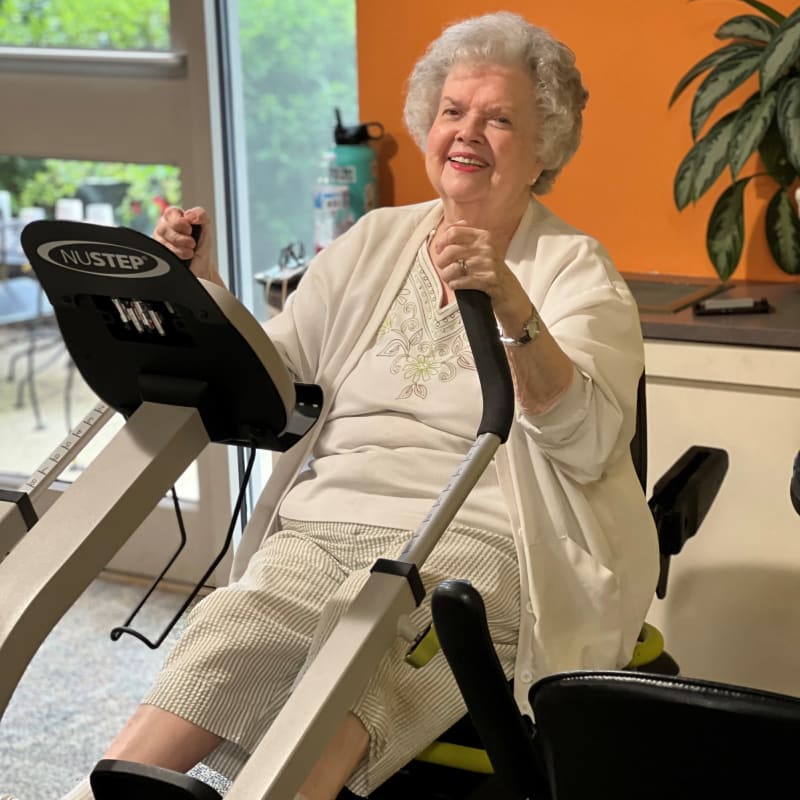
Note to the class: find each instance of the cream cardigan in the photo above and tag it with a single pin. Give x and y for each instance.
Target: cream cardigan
(584, 535)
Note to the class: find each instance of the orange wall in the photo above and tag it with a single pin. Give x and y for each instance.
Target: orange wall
(619, 185)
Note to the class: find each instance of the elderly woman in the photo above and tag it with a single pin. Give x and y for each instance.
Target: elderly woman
(556, 535)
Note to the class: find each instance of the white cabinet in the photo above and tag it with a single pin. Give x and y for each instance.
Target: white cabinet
(732, 611)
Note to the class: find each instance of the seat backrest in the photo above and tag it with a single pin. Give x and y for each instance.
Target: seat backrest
(639, 441)
(628, 735)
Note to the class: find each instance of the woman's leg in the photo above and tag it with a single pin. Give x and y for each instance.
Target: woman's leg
(162, 739)
(154, 736)
(338, 761)
(280, 597)
(157, 737)
(404, 709)
(236, 662)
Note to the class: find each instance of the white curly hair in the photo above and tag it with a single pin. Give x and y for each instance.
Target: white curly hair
(506, 39)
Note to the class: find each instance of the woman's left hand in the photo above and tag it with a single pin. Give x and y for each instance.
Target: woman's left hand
(471, 258)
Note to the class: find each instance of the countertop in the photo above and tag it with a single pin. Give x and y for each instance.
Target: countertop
(780, 328)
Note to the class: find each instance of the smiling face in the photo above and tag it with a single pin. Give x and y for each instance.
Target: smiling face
(480, 154)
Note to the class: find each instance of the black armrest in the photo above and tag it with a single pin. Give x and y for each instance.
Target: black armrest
(459, 617)
(681, 499)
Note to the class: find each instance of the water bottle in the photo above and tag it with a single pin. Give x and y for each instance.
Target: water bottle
(355, 164)
(332, 212)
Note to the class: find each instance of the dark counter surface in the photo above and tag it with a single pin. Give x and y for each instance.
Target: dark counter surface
(780, 328)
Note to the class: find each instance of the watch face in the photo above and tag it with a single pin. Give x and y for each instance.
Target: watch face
(530, 330)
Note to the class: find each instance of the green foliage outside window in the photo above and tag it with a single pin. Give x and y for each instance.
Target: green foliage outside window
(143, 189)
(138, 192)
(92, 24)
(88, 24)
(298, 64)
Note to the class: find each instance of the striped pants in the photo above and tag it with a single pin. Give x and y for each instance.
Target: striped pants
(247, 644)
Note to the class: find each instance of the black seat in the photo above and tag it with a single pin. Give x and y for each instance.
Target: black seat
(627, 735)
(680, 500)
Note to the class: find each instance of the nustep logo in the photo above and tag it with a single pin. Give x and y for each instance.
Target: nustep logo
(103, 258)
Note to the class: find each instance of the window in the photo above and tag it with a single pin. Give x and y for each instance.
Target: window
(227, 103)
(42, 396)
(105, 117)
(298, 63)
(136, 193)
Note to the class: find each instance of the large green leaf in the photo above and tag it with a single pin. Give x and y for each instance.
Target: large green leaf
(721, 81)
(706, 63)
(683, 186)
(725, 232)
(712, 155)
(768, 11)
(782, 51)
(752, 122)
(783, 232)
(747, 26)
(773, 153)
(789, 119)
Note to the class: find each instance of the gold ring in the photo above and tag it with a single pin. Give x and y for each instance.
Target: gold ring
(462, 262)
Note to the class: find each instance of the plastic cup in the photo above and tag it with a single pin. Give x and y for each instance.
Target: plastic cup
(69, 208)
(100, 213)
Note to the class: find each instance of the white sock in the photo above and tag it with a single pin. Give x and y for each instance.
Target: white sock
(83, 791)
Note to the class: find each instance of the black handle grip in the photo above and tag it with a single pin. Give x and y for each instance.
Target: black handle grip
(494, 373)
(196, 229)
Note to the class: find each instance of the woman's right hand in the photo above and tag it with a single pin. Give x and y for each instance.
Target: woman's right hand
(174, 231)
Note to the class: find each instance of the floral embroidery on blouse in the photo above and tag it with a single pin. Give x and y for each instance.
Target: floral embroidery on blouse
(422, 341)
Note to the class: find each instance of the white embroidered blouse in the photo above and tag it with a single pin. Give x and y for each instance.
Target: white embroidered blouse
(402, 422)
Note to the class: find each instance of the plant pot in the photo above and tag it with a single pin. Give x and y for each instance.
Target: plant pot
(103, 190)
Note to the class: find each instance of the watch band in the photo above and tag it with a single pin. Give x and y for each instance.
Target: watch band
(530, 330)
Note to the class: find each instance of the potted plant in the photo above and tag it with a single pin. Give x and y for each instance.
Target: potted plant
(768, 121)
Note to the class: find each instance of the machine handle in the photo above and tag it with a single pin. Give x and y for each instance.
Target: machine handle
(196, 230)
(494, 373)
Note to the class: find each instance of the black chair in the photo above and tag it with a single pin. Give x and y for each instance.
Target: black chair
(623, 735)
(680, 501)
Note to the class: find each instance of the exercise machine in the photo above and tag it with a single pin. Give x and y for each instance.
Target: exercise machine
(186, 365)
